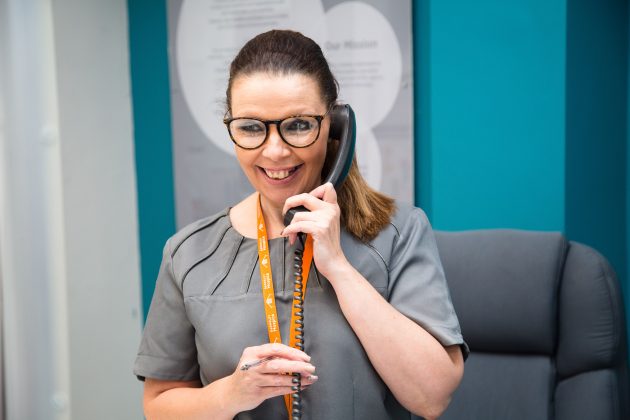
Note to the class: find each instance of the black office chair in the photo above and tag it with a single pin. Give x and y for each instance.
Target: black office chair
(545, 323)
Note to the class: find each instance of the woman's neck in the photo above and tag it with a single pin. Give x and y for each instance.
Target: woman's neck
(274, 220)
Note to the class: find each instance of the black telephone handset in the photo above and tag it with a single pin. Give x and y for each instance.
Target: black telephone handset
(343, 128)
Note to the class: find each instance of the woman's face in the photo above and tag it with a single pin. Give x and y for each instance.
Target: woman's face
(275, 169)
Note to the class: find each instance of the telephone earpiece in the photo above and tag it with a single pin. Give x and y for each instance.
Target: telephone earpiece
(343, 127)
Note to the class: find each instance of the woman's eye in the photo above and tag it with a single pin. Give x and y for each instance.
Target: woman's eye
(298, 124)
(251, 128)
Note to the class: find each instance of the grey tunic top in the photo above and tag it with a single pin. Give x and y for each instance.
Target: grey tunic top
(207, 307)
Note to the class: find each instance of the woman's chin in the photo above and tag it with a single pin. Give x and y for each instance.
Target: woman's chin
(276, 198)
(280, 189)
(276, 192)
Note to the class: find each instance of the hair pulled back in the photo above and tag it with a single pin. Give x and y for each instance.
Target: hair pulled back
(364, 211)
(283, 53)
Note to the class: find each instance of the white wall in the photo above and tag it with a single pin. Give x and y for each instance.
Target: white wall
(69, 255)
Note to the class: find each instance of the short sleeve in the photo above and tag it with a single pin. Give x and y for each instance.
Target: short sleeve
(167, 350)
(417, 285)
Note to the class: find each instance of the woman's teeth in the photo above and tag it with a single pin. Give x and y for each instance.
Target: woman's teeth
(279, 174)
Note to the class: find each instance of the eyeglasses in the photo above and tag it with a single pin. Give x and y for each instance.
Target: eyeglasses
(296, 131)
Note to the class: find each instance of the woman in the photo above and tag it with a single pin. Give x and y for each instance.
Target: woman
(381, 336)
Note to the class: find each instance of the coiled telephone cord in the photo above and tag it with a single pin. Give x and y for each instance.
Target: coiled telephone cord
(298, 307)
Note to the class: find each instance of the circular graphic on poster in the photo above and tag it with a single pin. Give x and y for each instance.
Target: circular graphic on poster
(210, 33)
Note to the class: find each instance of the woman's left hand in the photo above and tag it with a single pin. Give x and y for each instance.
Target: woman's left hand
(322, 222)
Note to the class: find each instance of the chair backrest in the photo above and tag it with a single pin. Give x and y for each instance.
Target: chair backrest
(545, 323)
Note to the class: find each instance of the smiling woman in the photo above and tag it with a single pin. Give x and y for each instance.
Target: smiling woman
(382, 340)
(278, 170)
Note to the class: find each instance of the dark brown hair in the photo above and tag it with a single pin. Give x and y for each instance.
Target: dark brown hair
(364, 211)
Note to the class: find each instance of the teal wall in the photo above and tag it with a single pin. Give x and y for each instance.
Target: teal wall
(152, 132)
(596, 158)
(627, 256)
(522, 119)
(495, 88)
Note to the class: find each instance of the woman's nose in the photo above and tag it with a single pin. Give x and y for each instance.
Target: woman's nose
(275, 148)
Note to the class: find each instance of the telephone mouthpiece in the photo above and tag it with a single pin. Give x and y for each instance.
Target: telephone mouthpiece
(290, 214)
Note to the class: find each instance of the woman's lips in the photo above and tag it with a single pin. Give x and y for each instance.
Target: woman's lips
(282, 174)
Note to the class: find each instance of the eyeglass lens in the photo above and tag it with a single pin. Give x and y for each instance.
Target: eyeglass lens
(297, 131)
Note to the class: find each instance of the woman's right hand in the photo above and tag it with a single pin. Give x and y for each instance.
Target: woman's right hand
(272, 378)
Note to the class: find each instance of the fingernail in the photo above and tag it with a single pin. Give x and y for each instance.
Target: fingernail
(312, 378)
(310, 368)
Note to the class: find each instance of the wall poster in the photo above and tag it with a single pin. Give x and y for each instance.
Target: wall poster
(367, 43)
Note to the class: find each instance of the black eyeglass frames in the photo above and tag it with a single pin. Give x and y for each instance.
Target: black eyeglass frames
(296, 131)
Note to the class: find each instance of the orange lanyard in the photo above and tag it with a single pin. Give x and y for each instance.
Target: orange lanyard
(269, 298)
